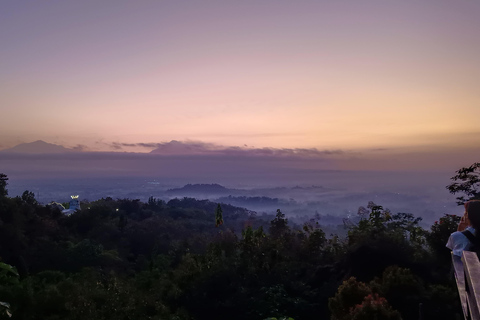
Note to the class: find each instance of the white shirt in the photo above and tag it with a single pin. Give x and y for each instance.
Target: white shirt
(458, 242)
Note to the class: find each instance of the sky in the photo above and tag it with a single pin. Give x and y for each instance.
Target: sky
(360, 76)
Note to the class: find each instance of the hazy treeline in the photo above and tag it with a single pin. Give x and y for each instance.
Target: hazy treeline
(126, 259)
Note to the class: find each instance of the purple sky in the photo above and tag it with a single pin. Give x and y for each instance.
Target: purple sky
(378, 78)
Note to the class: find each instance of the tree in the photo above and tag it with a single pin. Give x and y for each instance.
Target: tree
(8, 278)
(467, 182)
(349, 294)
(374, 307)
(154, 203)
(356, 300)
(122, 222)
(218, 216)
(29, 197)
(3, 185)
(372, 227)
(439, 234)
(279, 225)
(315, 240)
(402, 288)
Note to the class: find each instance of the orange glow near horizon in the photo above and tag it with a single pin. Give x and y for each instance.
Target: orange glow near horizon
(320, 75)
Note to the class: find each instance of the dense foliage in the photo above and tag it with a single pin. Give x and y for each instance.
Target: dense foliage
(467, 183)
(125, 259)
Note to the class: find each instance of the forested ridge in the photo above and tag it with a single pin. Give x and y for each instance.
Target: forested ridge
(126, 259)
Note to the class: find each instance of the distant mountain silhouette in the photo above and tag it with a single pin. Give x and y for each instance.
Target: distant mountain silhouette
(201, 188)
(37, 147)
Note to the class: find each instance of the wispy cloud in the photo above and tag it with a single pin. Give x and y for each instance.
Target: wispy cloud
(175, 147)
(80, 147)
(117, 146)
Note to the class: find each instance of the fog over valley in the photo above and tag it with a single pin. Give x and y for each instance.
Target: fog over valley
(300, 186)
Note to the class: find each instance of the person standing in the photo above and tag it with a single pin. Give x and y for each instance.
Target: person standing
(466, 237)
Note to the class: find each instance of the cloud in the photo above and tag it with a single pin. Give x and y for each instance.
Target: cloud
(116, 146)
(80, 147)
(175, 147)
(191, 148)
(381, 158)
(202, 148)
(257, 135)
(122, 145)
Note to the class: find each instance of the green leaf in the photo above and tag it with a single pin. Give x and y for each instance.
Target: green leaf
(8, 268)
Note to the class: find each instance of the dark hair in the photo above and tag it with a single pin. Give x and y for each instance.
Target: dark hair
(473, 209)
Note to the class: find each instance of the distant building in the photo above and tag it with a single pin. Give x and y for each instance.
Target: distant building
(56, 205)
(74, 206)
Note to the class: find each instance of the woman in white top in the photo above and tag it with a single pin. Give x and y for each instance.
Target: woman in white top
(470, 222)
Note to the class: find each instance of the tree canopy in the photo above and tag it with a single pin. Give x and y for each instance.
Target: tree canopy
(467, 183)
(126, 259)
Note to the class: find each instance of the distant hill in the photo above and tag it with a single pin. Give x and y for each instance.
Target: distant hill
(37, 147)
(200, 189)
